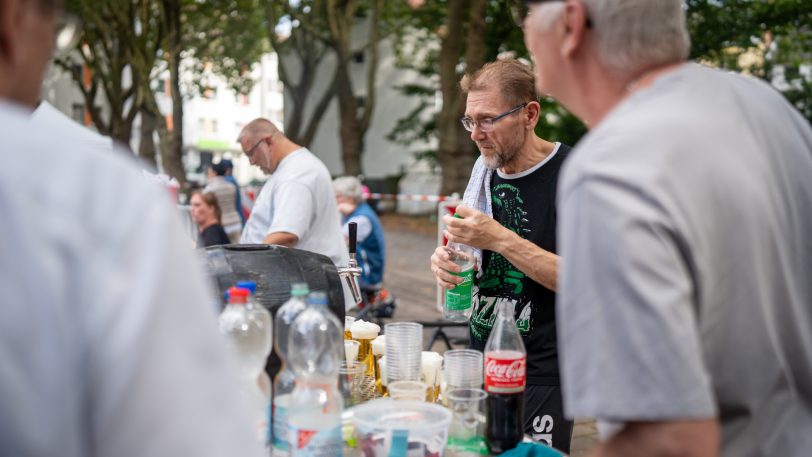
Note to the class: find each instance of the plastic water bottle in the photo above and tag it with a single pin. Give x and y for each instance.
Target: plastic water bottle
(258, 313)
(249, 336)
(315, 355)
(458, 305)
(285, 380)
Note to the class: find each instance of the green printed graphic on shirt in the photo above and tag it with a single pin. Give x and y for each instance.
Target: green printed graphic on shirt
(501, 280)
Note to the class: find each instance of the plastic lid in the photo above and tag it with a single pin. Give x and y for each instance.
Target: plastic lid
(250, 285)
(238, 295)
(299, 289)
(317, 298)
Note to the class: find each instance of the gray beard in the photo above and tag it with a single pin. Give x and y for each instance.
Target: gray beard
(498, 160)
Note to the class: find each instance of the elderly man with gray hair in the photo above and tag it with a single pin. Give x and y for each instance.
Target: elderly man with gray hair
(684, 311)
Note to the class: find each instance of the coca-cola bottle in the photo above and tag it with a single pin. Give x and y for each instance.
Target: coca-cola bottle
(505, 377)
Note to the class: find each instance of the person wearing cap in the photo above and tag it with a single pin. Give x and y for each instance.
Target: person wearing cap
(107, 343)
(509, 216)
(685, 300)
(296, 206)
(226, 197)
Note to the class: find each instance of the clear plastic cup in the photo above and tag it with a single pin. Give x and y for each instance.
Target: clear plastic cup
(350, 380)
(463, 368)
(404, 342)
(466, 436)
(407, 390)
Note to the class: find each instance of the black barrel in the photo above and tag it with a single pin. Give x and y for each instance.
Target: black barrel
(274, 269)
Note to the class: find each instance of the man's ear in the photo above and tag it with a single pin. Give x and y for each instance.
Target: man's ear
(575, 20)
(533, 113)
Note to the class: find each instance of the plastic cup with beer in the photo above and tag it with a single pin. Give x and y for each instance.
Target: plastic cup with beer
(348, 320)
(378, 351)
(431, 362)
(384, 391)
(351, 350)
(364, 332)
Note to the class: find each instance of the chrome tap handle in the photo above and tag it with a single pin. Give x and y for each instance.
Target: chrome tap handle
(352, 271)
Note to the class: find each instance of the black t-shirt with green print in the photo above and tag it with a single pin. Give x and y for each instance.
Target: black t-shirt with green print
(524, 203)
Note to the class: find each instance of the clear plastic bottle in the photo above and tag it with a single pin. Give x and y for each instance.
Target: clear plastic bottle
(505, 380)
(285, 380)
(315, 353)
(458, 301)
(248, 336)
(258, 313)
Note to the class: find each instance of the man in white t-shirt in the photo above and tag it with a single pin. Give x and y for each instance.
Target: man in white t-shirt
(107, 344)
(684, 303)
(296, 207)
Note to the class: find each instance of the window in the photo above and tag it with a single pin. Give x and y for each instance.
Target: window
(358, 57)
(78, 113)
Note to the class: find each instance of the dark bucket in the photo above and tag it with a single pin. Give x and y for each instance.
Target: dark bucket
(274, 269)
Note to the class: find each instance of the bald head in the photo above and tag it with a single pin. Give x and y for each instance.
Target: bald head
(258, 128)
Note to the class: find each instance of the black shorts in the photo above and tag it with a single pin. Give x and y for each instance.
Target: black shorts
(544, 418)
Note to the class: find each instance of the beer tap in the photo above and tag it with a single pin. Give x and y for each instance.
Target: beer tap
(352, 271)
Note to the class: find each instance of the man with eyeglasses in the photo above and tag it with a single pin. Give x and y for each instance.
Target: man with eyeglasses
(296, 206)
(108, 346)
(509, 215)
(685, 307)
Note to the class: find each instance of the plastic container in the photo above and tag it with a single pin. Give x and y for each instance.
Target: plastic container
(315, 355)
(387, 427)
(285, 379)
(249, 338)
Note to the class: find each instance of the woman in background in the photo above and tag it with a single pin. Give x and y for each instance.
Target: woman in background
(206, 214)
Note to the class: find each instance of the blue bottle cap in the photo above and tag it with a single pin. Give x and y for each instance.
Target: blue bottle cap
(250, 285)
(317, 298)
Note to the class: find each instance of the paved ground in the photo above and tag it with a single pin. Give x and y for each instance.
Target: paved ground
(410, 241)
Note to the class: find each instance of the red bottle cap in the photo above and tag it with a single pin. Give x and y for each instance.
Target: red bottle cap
(238, 295)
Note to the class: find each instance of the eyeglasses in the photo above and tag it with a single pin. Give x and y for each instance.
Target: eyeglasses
(486, 124)
(520, 12)
(250, 151)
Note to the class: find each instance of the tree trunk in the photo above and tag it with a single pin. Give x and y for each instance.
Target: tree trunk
(455, 171)
(121, 132)
(146, 147)
(350, 129)
(172, 157)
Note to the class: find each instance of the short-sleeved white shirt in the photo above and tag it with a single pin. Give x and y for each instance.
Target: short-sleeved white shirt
(298, 198)
(685, 235)
(108, 345)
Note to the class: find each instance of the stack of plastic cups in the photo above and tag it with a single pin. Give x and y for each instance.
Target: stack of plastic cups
(462, 368)
(404, 342)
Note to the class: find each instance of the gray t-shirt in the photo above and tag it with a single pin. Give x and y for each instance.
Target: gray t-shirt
(686, 285)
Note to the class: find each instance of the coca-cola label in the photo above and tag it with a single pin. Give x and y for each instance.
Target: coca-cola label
(505, 372)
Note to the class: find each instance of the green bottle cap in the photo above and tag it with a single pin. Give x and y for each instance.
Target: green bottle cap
(299, 289)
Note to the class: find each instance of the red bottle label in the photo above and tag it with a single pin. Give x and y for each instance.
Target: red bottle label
(505, 372)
